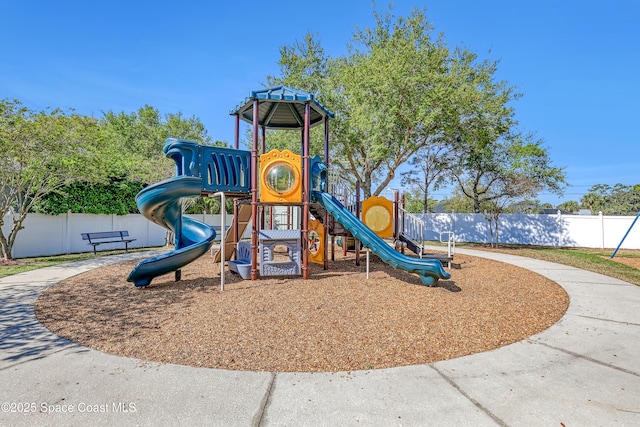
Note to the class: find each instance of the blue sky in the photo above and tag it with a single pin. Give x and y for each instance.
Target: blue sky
(577, 63)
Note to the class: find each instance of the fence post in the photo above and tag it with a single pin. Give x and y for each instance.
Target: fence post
(453, 221)
(559, 228)
(67, 233)
(601, 228)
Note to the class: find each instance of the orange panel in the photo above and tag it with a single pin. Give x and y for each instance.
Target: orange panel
(316, 241)
(280, 177)
(377, 214)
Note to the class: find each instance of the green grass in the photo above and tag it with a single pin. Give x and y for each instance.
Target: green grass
(596, 260)
(27, 264)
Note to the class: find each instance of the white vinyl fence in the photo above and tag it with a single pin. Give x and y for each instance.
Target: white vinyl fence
(61, 234)
(586, 231)
(52, 235)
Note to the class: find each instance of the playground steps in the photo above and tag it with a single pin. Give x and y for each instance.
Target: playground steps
(412, 244)
(243, 219)
(334, 227)
(418, 248)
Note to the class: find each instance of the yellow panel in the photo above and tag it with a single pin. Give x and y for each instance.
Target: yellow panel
(316, 241)
(377, 214)
(280, 177)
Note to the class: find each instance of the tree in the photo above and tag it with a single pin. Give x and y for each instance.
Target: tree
(305, 66)
(128, 153)
(41, 151)
(593, 201)
(527, 206)
(511, 169)
(569, 206)
(115, 197)
(428, 170)
(131, 144)
(207, 205)
(414, 200)
(503, 172)
(494, 208)
(392, 96)
(495, 165)
(400, 89)
(494, 160)
(620, 199)
(458, 202)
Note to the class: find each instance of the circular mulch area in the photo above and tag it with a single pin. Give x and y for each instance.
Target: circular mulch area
(337, 320)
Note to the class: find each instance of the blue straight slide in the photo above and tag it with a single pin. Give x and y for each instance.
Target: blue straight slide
(160, 203)
(429, 270)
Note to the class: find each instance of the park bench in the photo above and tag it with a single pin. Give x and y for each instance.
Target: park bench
(100, 237)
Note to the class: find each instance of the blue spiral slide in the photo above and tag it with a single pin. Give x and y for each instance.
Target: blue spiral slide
(199, 170)
(429, 270)
(160, 203)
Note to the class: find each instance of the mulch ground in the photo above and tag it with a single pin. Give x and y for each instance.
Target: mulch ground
(337, 320)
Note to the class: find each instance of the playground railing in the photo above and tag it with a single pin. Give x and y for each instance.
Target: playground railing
(451, 243)
(413, 228)
(342, 190)
(346, 196)
(225, 169)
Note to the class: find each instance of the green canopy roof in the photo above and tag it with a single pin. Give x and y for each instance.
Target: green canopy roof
(281, 107)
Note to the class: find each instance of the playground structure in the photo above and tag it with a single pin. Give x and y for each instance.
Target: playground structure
(282, 178)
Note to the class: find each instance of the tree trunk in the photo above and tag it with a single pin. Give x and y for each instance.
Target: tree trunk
(425, 201)
(476, 204)
(5, 250)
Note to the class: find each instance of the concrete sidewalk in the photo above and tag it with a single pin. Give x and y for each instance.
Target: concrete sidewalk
(584, 370)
